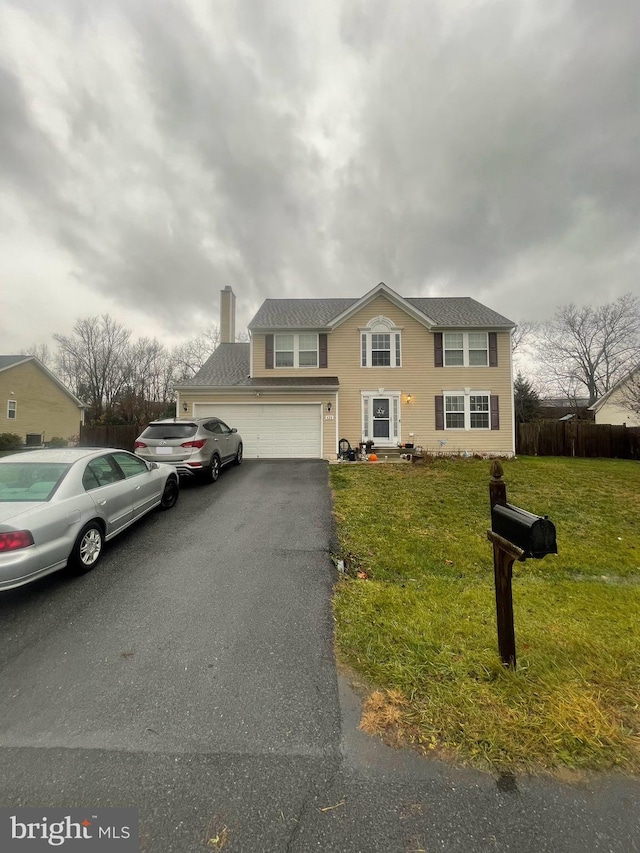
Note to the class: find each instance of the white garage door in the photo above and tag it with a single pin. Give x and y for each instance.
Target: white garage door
(272, 430)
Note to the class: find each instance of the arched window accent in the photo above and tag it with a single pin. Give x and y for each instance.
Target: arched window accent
(380, 344)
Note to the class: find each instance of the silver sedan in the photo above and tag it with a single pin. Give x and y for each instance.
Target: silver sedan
(59, 507)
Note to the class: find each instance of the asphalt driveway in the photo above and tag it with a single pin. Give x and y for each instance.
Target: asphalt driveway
(192, 675)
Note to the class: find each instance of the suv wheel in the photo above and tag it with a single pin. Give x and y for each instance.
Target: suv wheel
(211, 474)
(238, 459)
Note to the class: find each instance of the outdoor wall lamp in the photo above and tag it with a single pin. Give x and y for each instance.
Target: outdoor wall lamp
(409, 398)
(329, 406)
(185, 408)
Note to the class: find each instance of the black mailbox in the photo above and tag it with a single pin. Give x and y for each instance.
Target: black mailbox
(534, 534)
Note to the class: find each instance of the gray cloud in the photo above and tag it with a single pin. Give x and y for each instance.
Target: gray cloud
(29, 159)
(486, 149)
(487, 141)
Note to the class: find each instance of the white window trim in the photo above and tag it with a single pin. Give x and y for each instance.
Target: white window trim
(465, 349)
(467, 393)
(380, 326)
(395, 421)
(296, 351)
(14, 410)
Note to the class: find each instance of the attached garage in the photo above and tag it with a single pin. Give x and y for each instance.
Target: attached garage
(272, 430)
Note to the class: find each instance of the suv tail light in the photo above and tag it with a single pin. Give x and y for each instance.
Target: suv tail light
(15, 540)
(199, 443)
(139, 444)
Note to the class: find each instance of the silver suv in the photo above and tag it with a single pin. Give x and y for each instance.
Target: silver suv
(194, 446)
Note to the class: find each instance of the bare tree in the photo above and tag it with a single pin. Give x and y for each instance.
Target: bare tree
(148, 381)
(41, 352)
(523, 335)
(92, 361)
(190, 356)
(148, 369)
(589, 349)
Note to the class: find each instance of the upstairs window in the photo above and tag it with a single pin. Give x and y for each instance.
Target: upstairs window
(466, 349)
(478, 348)
(380, 344)
(296, 350)
(308, 350)
(380, 350)
(454, 349)
(284, 350)
(12, 409)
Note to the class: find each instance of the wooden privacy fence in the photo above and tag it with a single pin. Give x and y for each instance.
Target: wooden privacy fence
(121, 436)
(568, 438)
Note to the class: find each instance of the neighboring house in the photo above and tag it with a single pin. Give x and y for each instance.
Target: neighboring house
(34, 404)
(435, 372)
(565, 409)
(610, 408)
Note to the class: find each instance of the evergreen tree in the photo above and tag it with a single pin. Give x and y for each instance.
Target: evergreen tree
(526, 400)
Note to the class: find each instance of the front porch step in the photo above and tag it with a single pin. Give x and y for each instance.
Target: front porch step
(389, 454)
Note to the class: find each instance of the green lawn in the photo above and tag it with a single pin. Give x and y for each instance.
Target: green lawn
(416, 611)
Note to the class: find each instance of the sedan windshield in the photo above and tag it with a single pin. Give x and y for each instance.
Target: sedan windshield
(166, 432)
(28, 481)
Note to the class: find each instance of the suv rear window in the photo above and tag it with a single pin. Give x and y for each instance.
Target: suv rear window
(168, 431)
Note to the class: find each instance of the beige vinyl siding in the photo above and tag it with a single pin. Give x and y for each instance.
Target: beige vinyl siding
(418, 376)
(613, 412)
(42, 406)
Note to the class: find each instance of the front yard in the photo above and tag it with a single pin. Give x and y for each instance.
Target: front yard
(416, 616)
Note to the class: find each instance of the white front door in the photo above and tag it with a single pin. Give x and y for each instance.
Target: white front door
(381, 418)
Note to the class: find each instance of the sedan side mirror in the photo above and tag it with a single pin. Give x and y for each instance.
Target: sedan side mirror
(153, 466)
(233, 429)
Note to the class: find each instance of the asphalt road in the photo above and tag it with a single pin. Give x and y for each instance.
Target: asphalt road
(192, 675)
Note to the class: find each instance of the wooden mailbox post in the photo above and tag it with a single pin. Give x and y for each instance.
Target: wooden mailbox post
(516, 535)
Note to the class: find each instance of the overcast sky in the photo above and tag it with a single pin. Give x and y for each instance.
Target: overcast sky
(154, 151)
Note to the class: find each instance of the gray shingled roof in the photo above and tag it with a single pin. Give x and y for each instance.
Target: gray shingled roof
(299, 313)
(459, 311)
(445, 311)
(228, 367)
(10, 360)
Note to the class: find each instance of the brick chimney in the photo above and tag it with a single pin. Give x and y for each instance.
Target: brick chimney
(227, 316)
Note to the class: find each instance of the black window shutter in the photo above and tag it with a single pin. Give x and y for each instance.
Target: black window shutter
(495, 412)
(268, 351)
(440, 412)
(493, 349)
(323, 360)
(438, 356)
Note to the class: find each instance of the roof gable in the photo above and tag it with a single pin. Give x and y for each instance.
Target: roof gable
(9, 361)
(393, 297)
(599, 403)
(325, 314)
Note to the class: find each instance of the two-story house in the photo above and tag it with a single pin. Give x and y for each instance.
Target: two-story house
(434, 372)
(34, 403)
